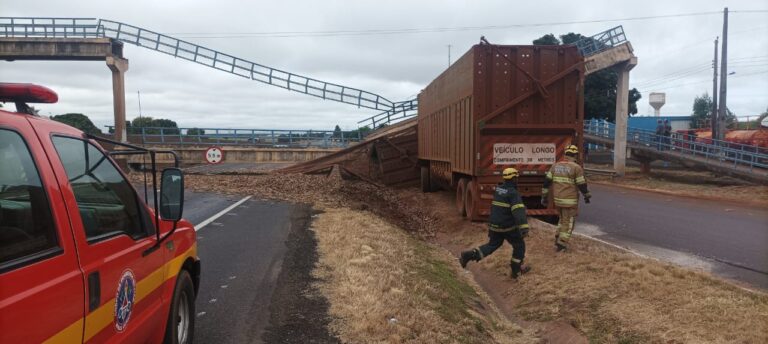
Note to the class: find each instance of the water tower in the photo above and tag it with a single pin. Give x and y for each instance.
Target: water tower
(657, 100)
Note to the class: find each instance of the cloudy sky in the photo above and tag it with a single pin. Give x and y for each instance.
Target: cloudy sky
(394, 49)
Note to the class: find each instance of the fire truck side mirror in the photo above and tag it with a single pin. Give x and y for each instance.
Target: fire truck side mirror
(171, 194)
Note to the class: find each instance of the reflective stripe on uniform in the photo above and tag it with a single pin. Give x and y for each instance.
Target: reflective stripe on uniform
(523, 226)
(580, 180)
(567, 201)
(549, 175)
(501, 204)
(515, 260)
(562, 180)
(518, 206)
(545, 191)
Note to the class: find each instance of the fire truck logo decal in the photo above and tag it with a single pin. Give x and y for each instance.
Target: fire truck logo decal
(126, 291)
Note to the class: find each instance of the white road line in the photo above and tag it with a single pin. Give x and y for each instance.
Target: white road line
(208, 221)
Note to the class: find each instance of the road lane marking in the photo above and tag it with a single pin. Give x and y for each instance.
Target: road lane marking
(200, 225)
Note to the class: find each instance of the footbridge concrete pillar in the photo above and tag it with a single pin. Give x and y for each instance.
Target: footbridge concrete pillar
(622, 113)
(118, 66)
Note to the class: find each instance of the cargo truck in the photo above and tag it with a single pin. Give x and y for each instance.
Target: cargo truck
(500, 106)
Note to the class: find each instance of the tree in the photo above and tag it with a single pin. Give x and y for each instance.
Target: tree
(195, 131)
(599, 87)
(548, 39)
(78, 121)
(337, 131)
(149, 122)
(360, 132)
(571, 38)
(701, 116)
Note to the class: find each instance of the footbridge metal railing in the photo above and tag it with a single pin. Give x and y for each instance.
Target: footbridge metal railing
(602, 41)
(129, 34)
(738, 155)
(271, 138)
(391, 111)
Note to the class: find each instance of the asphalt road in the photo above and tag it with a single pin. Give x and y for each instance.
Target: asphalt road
(729, 240)
(242, 252)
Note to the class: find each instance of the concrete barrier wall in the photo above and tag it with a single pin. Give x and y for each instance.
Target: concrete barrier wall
(196, 155)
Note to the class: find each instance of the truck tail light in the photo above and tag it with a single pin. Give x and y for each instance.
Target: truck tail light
(26, 93)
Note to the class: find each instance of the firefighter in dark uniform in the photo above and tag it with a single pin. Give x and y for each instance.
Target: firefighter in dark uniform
(507, 222)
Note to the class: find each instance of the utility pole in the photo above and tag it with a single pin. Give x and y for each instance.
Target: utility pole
(139, 94)
(723, 107)
(449, 55)
(713, 119)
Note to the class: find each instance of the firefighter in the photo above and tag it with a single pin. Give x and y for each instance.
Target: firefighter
(507, 222)
(566, 178)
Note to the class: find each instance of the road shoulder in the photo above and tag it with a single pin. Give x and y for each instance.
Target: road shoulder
(299, 314)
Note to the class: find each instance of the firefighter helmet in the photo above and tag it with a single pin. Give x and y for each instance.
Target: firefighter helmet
(572, 150)
(509, 173)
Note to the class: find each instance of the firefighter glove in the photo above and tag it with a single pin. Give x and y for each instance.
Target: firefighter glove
(587, 197)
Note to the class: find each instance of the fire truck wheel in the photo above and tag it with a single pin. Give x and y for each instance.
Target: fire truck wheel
(181, 319)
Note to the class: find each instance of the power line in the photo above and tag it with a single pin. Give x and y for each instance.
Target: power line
(707, 81)
(369, 32)
(741, 62)
(677, 74)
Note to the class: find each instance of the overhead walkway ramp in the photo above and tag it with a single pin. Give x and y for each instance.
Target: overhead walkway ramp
(745, 162)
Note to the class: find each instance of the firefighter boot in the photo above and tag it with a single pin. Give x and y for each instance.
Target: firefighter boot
(519, 269)
(466, 256)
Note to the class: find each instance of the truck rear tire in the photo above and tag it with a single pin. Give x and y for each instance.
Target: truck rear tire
(469, 199)
(180, 327)
(426, 183)
(461, 195)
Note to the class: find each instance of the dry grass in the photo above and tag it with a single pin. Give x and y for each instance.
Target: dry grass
(612, 296)
(373, 272)
(688, 183)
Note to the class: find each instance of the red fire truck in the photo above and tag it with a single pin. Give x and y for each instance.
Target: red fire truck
(82, 257)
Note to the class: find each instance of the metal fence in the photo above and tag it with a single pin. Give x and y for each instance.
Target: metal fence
(710, 150)
(272, 138)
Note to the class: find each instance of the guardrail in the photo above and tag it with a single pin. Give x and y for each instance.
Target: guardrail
(715, 150)
(272, 138)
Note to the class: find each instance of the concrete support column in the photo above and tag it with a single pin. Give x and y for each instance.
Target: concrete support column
(622, 113)
(118, 66)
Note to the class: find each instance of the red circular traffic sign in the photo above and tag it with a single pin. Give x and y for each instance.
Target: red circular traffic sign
(214, 155)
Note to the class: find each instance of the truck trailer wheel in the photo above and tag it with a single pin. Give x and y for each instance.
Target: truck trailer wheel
(181, 318)
(469, 199)
(461, 195)
(426, 183)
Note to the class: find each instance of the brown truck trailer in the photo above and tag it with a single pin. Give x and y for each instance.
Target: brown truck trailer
(500, 106)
